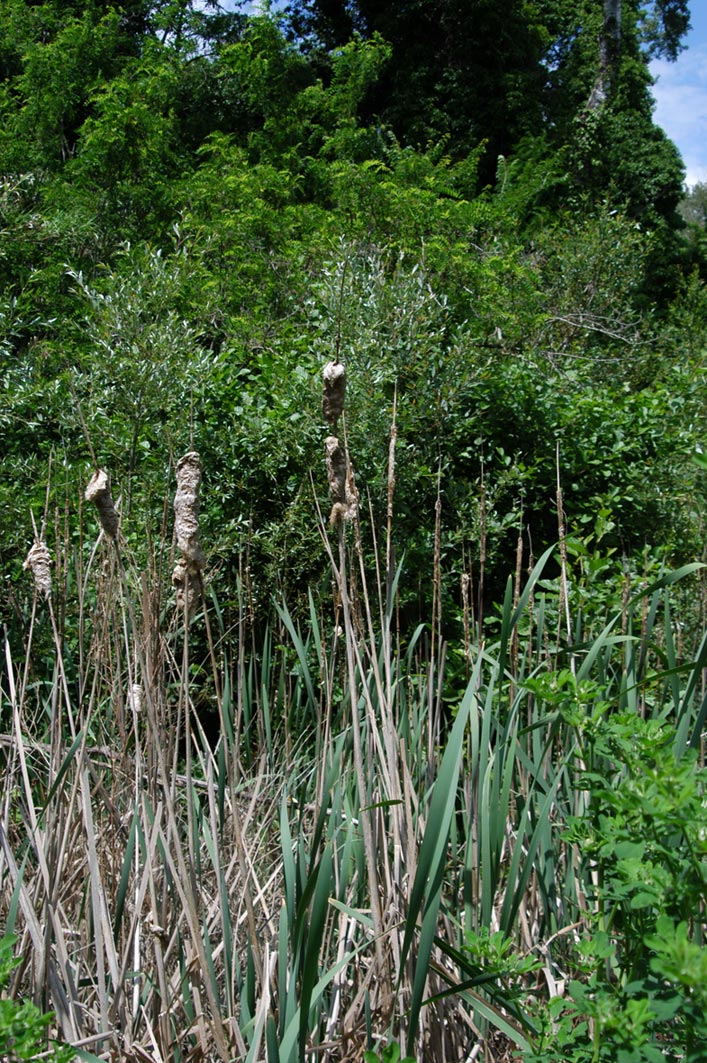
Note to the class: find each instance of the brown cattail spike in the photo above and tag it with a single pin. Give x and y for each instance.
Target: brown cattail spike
(135, 698)
(351, 494)
(335, 468)
(186, 506)
(186, 577)
(39, 561)
(334, 393)
(98, 492)
(342, 488)
(186, 580)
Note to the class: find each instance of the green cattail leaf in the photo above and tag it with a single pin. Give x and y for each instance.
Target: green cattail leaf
(227, 937)
(63, 768)
(210, 965)
(358, 914)
(496, 1019)
(14, 904)
(314, 627)
(508, 616)
(684, 714)
(604, 641)
(288, 1042)
(289, 868)
(488, 879)
(283, 970)
(518, 876)
(266, 718)
(425, 893)
(222, 784)
(249, 984)
(667, 580)
(185, 981)
(672, 658)
(300, 649)
(227, 708)
(422, 962)
(271, 1041)
(310, 970)
(125, 874)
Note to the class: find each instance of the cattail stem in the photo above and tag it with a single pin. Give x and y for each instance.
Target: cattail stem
(344, 497)
(564, 583)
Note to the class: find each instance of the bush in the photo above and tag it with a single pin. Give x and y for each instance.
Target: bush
(23, 1027)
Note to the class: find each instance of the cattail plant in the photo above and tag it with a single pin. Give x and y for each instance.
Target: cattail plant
(342, 487)
(186, 577)
(98, 492)
(344, 497)
(38, 561)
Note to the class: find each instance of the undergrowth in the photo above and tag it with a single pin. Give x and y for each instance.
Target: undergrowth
(361, 863)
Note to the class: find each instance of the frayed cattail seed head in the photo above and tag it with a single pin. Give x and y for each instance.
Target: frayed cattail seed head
(186, 506)
(135, 698)
(39, 560)
(186, 580)
(98, 492)
(334, 391)
(335, 468)
(342, 488)
(186, 577)
(351, 502)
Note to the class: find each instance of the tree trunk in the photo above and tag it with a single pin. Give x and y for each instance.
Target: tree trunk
(609, 51)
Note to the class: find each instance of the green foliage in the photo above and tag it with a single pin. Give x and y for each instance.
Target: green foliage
(23, 1027)
(145, 359)
(694, 206)
(389, 1054)
(642, 834)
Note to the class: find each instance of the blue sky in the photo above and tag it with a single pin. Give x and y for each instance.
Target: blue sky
(681, 96)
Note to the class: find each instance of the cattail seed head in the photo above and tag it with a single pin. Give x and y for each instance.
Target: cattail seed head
(334, 391)
(186, 506)
(39, 560)
(335, 468)
(342, 487)
(135, 698)
(351, 502)
(186, 580)
(98, 492)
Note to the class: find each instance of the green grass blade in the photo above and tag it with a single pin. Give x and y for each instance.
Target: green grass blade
(426, 888)
(124, 883)
(300, 650)
(320, 907)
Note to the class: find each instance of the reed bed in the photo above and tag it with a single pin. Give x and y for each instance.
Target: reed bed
(371, 851)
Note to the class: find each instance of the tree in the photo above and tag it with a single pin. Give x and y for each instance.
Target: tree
(664, 24)
(609, 53)
(57, 58)
(467, 72)
(694, 206)
(572, 72)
